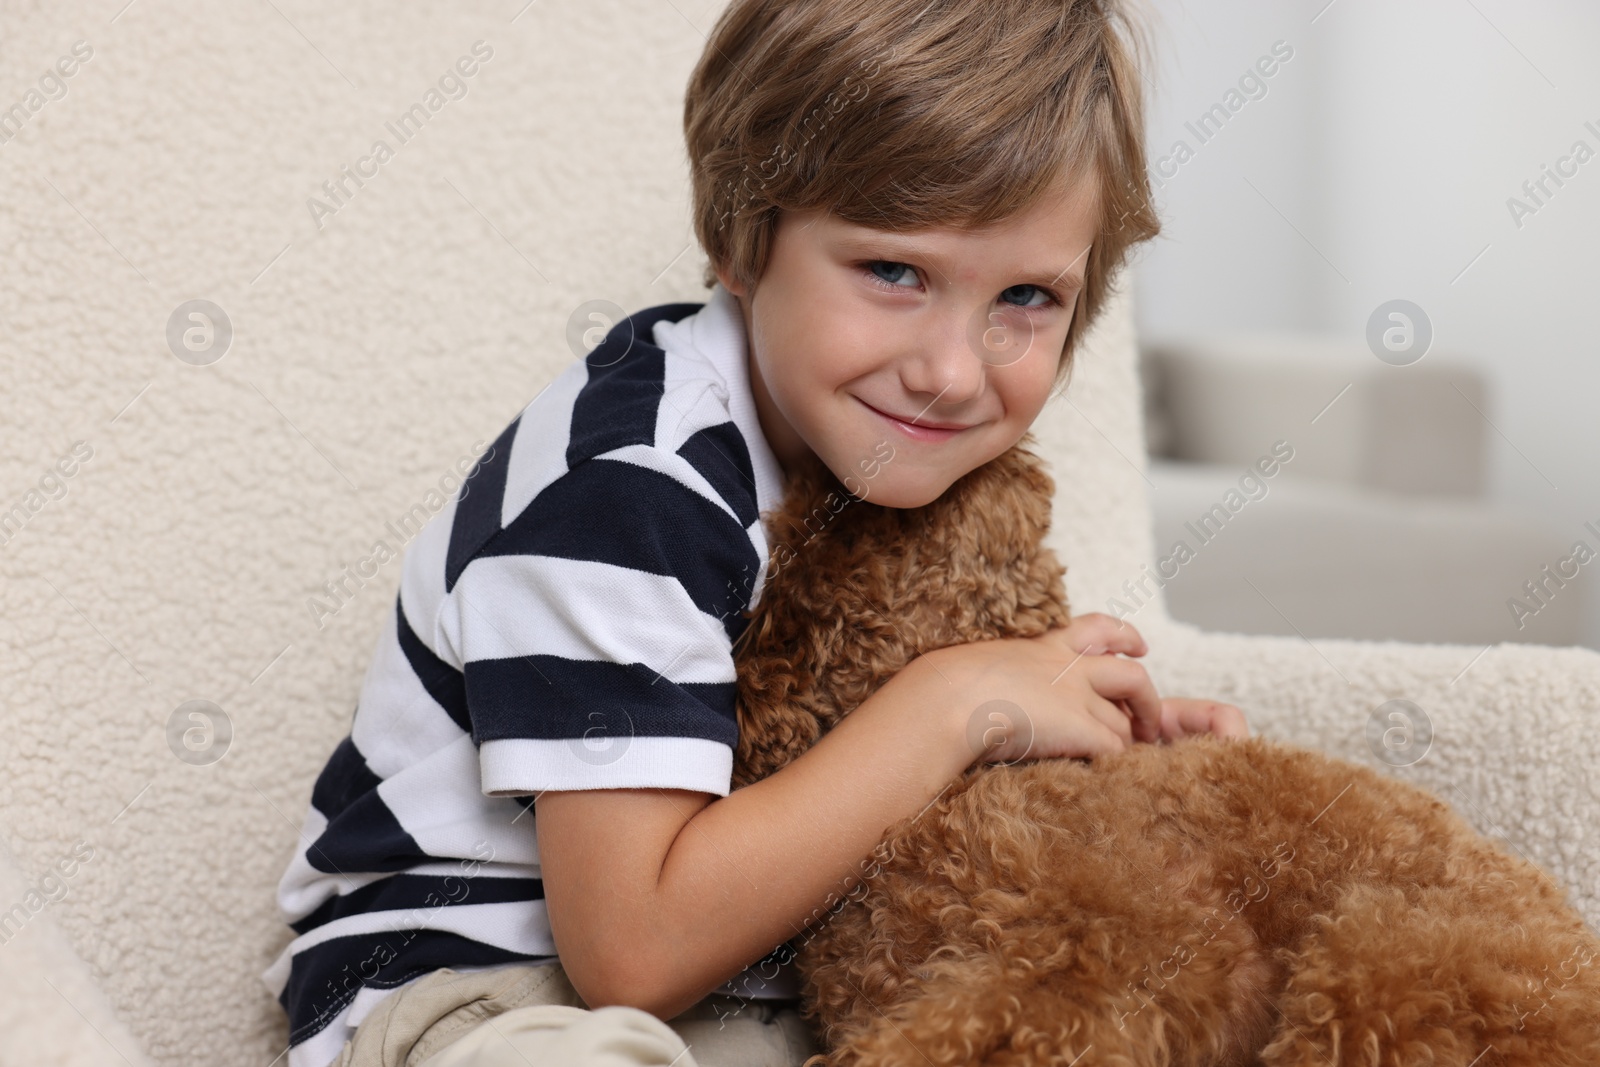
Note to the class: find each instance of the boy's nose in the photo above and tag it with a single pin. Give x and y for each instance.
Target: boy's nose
(944, 365)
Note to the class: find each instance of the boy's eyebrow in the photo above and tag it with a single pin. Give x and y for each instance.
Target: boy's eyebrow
(907, 246)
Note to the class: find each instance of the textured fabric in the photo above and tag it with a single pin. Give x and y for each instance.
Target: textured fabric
(530, 1015)
(566, 622)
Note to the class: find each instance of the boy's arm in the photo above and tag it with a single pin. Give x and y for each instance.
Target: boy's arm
(656, 897)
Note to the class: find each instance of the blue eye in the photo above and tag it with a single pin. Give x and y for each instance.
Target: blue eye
(894, 269)
(1048, 297)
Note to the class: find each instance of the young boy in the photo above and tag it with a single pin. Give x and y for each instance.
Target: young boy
(912, 212)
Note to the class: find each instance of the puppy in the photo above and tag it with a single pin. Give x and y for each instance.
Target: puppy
(1199, 903)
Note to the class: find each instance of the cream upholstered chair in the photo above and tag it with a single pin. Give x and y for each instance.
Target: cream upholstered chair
(223, 501)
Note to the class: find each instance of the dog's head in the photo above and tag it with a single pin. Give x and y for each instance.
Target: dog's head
(855, 590)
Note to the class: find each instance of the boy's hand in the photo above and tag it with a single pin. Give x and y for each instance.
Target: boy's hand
(1040, 697)
(1097, 633)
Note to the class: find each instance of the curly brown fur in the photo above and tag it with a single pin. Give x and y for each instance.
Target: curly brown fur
(1204, 902)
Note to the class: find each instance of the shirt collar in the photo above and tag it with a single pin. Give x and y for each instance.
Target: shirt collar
(716, 332)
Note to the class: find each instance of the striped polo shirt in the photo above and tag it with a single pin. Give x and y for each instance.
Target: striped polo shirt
(565, 621)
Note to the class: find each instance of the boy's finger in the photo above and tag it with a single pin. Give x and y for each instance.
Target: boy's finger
(1100, 740)
(1128, 684)
(1187, 715)
(1106, 633)
(1114, 717)
(1228, 721)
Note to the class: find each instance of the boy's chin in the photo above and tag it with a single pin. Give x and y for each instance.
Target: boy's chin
(903, 487)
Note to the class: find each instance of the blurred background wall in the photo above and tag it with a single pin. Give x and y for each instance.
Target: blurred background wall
(1385, 158)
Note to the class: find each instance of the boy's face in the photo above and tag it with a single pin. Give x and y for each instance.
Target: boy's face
(944, 327)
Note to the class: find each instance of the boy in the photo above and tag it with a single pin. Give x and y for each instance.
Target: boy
(912, 212)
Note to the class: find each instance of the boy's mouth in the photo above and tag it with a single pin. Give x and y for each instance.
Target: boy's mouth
(918, 431)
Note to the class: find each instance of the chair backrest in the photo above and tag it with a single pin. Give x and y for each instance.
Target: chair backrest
(1092, 432)
(194, 590)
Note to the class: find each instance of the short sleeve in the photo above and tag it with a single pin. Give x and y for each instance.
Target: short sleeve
(596, 633)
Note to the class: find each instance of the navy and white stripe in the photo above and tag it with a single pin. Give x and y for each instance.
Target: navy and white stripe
(566, 621)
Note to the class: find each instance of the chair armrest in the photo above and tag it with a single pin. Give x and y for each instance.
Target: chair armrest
(1219, 399)
(1513, 746)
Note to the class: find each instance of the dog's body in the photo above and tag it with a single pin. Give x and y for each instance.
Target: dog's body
(1201, 903)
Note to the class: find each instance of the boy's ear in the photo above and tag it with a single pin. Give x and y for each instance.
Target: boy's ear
(728, 281)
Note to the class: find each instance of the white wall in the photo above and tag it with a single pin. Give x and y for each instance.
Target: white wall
(1378, 165)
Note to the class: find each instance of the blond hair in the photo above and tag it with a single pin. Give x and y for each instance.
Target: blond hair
(904, 114)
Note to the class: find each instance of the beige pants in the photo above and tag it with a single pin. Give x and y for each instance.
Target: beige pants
(530, 1016)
